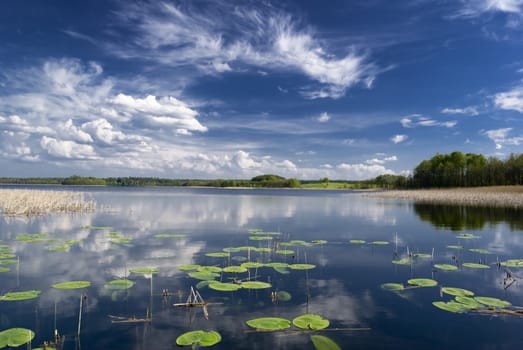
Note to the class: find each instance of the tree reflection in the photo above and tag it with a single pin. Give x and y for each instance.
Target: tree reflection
(458, 218)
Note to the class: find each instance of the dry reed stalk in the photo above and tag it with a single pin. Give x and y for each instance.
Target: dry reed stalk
(22, 202)
(495, 196)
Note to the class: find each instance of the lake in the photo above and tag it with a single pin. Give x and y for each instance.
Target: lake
(314, 268)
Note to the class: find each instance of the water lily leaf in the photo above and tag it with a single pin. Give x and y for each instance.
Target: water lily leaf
(455, 246)
(476, 266)
(25, 295)
(392, 286)
(214, 269)
(285, 252)
(283, 295)
(203, 284)
(188, 267)
(495, 302)
(203, 275)
(262, 250)
(379, 242)
(357, 241)
(32, 238)
(199, 338)
(255, 285)
(16, 337)
(457, 291)
(170, 235)
(512, 263)
(446, 267)
(480, 251)
(114, 233)
(218, 255)
(120, 240)
(7, 256)
(119, 284)
(144, 270)
(8, 262)
(422, 255)
(252, 265)
(72, 285)
(323, 343)
(232, 249)
(310, 321)
(298, 242)
(466, 236)
(450, 306)
(260, 238)
(468, 302)
(224, 287)
(422, 282)
(403, 261)
(302, 266)
(235, 269)
(72, 242)
(269, 323)
(60, 248)
(4, 269)
(318, 241)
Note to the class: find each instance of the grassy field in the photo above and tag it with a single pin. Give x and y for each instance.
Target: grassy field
(334, 185)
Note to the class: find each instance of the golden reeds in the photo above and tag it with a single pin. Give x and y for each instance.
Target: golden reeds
(23, 202)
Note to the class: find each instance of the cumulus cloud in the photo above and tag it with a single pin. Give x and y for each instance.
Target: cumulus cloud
(399, 138)
(381, 160)
(501, 137)
(67, 149)
(361, 171)
(324, 117)
(510, 100)
(220, 36)
(470, 111)
(417, 120)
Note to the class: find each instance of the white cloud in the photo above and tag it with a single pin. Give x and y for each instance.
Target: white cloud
(470, 111)
(361, 171)
(475, 8)
(70, 131)
(399, 138)
(510, 100)
(416, 120)
(501, 137)
(381, 160)
(67, 149)
(324, 117)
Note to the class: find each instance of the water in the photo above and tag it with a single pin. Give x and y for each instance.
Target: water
(343, 288)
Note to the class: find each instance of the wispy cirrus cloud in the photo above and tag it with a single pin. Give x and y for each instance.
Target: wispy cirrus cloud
(470, 111)
(418, 120)
(475, 8)
(221, 38)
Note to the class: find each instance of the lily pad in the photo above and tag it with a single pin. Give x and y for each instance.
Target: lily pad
(403, 261)
(8, 262)
(512, 263)
(218, 255)
(451, 306)
(4, 269)
(255, 285)
(494, 302)
(276, 265)
(466, 236)
(455, 247)
(252, 265)
(469, 302)
(224, 287)
(379, 243)
(319, 241)
(310, 321)
(170, 235)
(189, 267)
(119, 284)
(476, 266)
(302, 266)
(285, 252)
(324, 343)
(269, 323)
(60, 248)
(199, 338)
(7, 256)
(283, 295)
(457, 291)
(422, 255)
(422, 282)
(214, 269)
(262, 250)
(260, 238)
(357, 241)
(203, 275)
(72, 285)
(25, 295)
(480, 251)
(144, 270)
(446, 267)
(72, 242)
(393, 286)
(16, 337)
(235, 269)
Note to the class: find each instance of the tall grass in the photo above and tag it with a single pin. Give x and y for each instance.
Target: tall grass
(21, 202)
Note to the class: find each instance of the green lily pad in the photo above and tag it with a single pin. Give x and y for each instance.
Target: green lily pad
(72, 242)
(144, 270)
(7, 256)
(170, 235)
(4, 269)
(302, 266)
(495, 302)
(469, 302)
(446, 267)
(403, 261)
(25, 295)
(319, 241)
(72, 285)
(451, 306)
(476, 266)
(379, 243)
(357, 241)
(260, 238)
(422, 255)
(115, 233)
(189, 267)
(199, 338)
(512, 263)
(60, 248)
(218, 255)
(232, 249)
(276, 265)
(466, 236)
(252, 265)
(269, 323)
(285, 252)
(422, 282)
(8, 262)
(203, 275)
(224, 287)
(119, 284)
(393, 286)
(235, 269)
(299, 242)
(255, 285)
(455, 247)
(457, 291)
(16, 337)
(214, 269)
(480, 251)
(310, 321)
(32, 238)
(120, 240)
(321, 342)
(262, 250)
(283, 295)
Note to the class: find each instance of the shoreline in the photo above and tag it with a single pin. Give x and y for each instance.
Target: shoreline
(492, 196)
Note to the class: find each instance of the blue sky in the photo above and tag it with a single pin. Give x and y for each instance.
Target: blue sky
(234, 89)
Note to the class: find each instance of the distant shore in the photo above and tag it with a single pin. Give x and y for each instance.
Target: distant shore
(494, 196)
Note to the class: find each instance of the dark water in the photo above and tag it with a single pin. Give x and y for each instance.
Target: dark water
(343, 288)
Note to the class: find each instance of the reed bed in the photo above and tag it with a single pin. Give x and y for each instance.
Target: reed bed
(494, 196)
(22, 202)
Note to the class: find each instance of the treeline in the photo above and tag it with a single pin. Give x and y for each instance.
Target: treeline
(459, 170)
